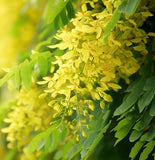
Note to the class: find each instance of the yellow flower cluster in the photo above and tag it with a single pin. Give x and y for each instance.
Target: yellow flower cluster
(29, 114)
(90, 68)
(10, 45)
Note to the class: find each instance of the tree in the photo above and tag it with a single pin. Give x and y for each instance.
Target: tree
(89, 78)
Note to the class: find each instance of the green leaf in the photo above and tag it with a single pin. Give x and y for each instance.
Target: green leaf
(17, 77)
(153, 155)
(58, 52)
(131, 98)
(43, 155)
(63, 134)
(25, 71)
(40, 140)
(121, 124)
(153, 44)
(70, 10)
(50, 130)
(43, 65)
(122, 7)
(136, 148)
(150, 83)
(57, 22)
(55, 139)
(75, 150)
(150, 135)
(53, 9)
(143, 122)
(152, 110)
(74, 1)
(105, 39)
(135, 135)
(41, 144)
(113, 21)
(103, 120)
(131, 7)
(46, 55)
(10, 154)
(48, 138)
(124, 130)
(6, 77)
(91, 141)
(43, 45)
(34, 143)
(63, 16)
(58, 155)
(131, 87)
(67, 146)
(48, 143)
(148, 149)
(146, 99)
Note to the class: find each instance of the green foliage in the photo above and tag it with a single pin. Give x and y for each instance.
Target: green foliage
(152, 110)
(127, 8)
(25, 71)
(148, 149)
(132, 97)
(10, 154)
(6, 77)
(131, 7)
(140, 103)
(43, 139)
(92, 141)
(138, 145)
(49, 139)
(116, 16)
(54, 8)
(94, 137)
(74, 151)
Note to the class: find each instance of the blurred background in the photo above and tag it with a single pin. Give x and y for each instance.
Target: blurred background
(19, 21)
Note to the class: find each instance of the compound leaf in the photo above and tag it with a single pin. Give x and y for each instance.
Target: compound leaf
(148, 149)
(25, 71)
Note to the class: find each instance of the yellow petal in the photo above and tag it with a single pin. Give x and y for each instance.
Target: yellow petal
(85, 55)
(102, 104)
(116, 43)
(114, 86)
(68, 55)
(99, 31)
(85, 113)
(42, 82)
(107, 97)
(128, 43)
(84, 134)
(132, 22)
(151, 34)
(91, 105)
(146, 14)
(139, 48)
(92, 4)
(136, 40)
(84, 8)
